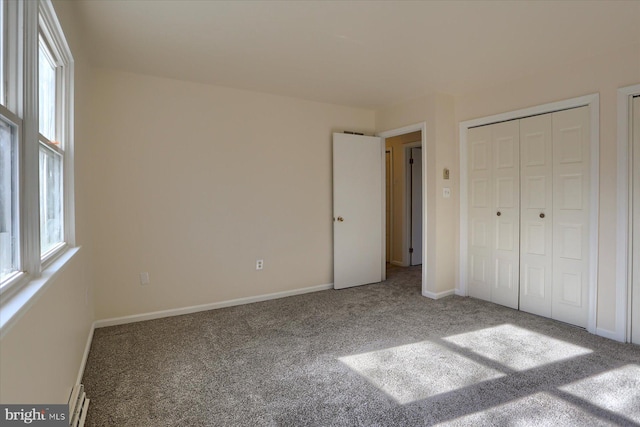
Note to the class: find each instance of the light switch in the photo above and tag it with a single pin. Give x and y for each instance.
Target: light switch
(446, 192)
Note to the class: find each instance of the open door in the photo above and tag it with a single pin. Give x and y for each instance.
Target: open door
(357, 210)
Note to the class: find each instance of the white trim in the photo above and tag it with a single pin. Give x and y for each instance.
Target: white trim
(390, 254)
(594, 211)
(383, 209)
(623, 229)
(438, 295)
(85, 355)
(18, 302)
(422, 127)
(205, 307)
(605, 333)
(593, 101)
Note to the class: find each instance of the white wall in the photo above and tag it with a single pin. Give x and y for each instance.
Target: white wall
(603, 75)
(437, 111)
(40, 355)
(196, 182)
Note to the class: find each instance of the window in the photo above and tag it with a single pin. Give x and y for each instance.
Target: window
(36, 130)
(9, 248)
(51, 153)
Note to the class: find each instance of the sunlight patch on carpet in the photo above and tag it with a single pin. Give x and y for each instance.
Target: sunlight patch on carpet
(517, 348)
(617, 391)
(413, 372)
(539, 409)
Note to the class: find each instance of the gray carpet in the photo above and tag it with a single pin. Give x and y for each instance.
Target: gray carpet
(376, 355)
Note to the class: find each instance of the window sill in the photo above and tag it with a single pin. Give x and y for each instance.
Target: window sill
(28, 293)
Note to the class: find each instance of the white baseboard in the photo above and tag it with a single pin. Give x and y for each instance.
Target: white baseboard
(204, 307)
(438, 295)
(612, 335)
(398, 263)
(85, 355)
(459, 293)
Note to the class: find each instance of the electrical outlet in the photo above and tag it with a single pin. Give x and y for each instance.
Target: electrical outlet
(144, 278)
(259, 264)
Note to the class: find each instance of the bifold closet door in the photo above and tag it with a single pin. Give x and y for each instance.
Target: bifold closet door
(494, 205)
(536, 214)
(571, 197)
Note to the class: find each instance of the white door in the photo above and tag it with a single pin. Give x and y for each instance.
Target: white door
(481, 213)
(506, 179)
(357, 210)
(494, 218)
(416, 206)
(536, 215)
(571, 196)
(635, 290)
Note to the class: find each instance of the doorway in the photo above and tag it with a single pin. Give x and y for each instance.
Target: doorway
(414, 201)
(406, 221)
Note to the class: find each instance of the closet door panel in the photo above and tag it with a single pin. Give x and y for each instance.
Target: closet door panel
(506, 214)
(481, 249)
(536, 214)
(571, 163)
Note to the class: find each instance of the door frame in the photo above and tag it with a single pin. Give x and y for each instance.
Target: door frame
(591, 100)
(408, 228)
(422, 127)
(624, 263)
(390, 201)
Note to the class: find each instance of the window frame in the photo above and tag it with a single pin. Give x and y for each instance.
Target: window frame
(15, 122)
(23, 24)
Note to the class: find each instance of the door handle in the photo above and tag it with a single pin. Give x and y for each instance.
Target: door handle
(541, 215)
(499, 213)
(340, 219)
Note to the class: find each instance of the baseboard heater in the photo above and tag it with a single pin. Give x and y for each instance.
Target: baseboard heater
(78, 406)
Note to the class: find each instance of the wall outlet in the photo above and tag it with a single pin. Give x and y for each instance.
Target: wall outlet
(259, 264)
(446, 193)
(144, 278)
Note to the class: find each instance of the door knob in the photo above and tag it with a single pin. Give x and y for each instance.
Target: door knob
(499, 213)
(541, 215)
(340, 219)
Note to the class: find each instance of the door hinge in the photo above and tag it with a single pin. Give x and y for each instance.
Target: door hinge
(410, 250)
(410, 161)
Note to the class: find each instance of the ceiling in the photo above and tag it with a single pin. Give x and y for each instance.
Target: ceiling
(360, 53)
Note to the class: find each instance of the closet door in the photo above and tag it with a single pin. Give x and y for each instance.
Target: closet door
(571, 160)
(506, 181)
(536, 215)
(494, 203)
(481, 213)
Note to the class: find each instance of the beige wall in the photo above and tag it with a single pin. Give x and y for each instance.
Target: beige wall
(603, 75)
(40, 355)
(196, 182)
(396, 145)
(437, 111)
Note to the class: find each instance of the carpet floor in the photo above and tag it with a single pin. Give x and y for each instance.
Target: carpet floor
(375, 355)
